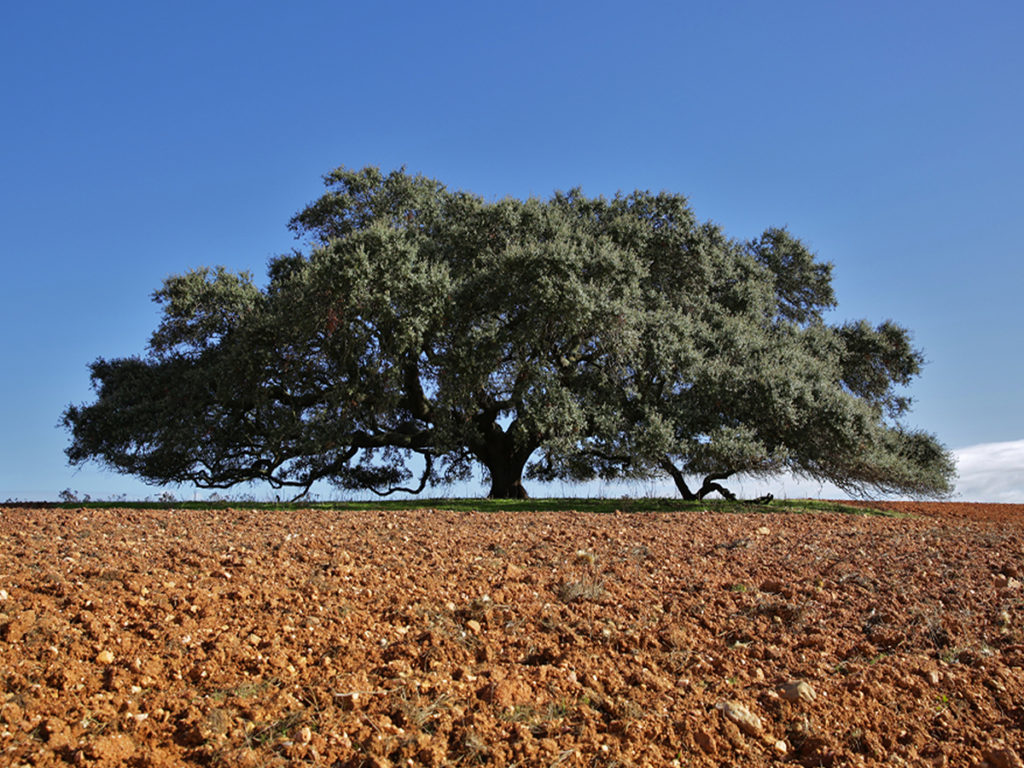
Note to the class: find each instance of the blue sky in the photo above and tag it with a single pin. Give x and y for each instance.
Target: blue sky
(144, 139)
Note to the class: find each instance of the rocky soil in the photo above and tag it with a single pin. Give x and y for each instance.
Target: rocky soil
(431, 638)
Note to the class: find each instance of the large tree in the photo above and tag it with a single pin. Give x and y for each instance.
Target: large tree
(570, 337)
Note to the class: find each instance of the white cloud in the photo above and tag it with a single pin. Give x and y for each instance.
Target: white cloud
(991, 472)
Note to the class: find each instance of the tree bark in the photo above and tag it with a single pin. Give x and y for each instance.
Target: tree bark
(507, 480)
(680, 481)
(710, 486)
(505, 458)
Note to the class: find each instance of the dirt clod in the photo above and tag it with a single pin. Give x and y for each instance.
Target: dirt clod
(1003, 757)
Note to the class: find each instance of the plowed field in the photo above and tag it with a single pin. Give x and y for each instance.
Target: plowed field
(431, 638)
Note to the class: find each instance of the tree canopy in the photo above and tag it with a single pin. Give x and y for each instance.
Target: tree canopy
(425, 332)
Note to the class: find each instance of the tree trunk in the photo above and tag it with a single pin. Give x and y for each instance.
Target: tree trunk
(680, 481)
(507, 480)
(505, 460)
(710, 486)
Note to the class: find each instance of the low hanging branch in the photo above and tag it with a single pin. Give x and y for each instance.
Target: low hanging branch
(709, 485)
(428, 468)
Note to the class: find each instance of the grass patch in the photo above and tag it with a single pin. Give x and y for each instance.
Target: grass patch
(592, 506)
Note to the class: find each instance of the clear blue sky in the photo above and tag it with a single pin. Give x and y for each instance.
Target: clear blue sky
(141, 139)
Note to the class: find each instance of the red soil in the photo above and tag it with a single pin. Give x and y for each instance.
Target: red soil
(246, 638)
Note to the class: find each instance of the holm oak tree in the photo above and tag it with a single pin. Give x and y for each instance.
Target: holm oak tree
(424, 332)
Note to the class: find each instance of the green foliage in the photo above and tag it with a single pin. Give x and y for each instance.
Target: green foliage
(200, 307)
(572, 337)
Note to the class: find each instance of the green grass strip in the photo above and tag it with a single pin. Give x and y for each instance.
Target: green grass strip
(593, 506)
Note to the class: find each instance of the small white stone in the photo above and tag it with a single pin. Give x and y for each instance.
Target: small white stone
(798, 690)
(748, 722)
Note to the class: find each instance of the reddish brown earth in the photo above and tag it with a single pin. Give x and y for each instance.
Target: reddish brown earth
(252, 638)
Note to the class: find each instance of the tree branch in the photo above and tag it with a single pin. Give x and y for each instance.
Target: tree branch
(415, 400)
(427, 469)
(710, 486)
